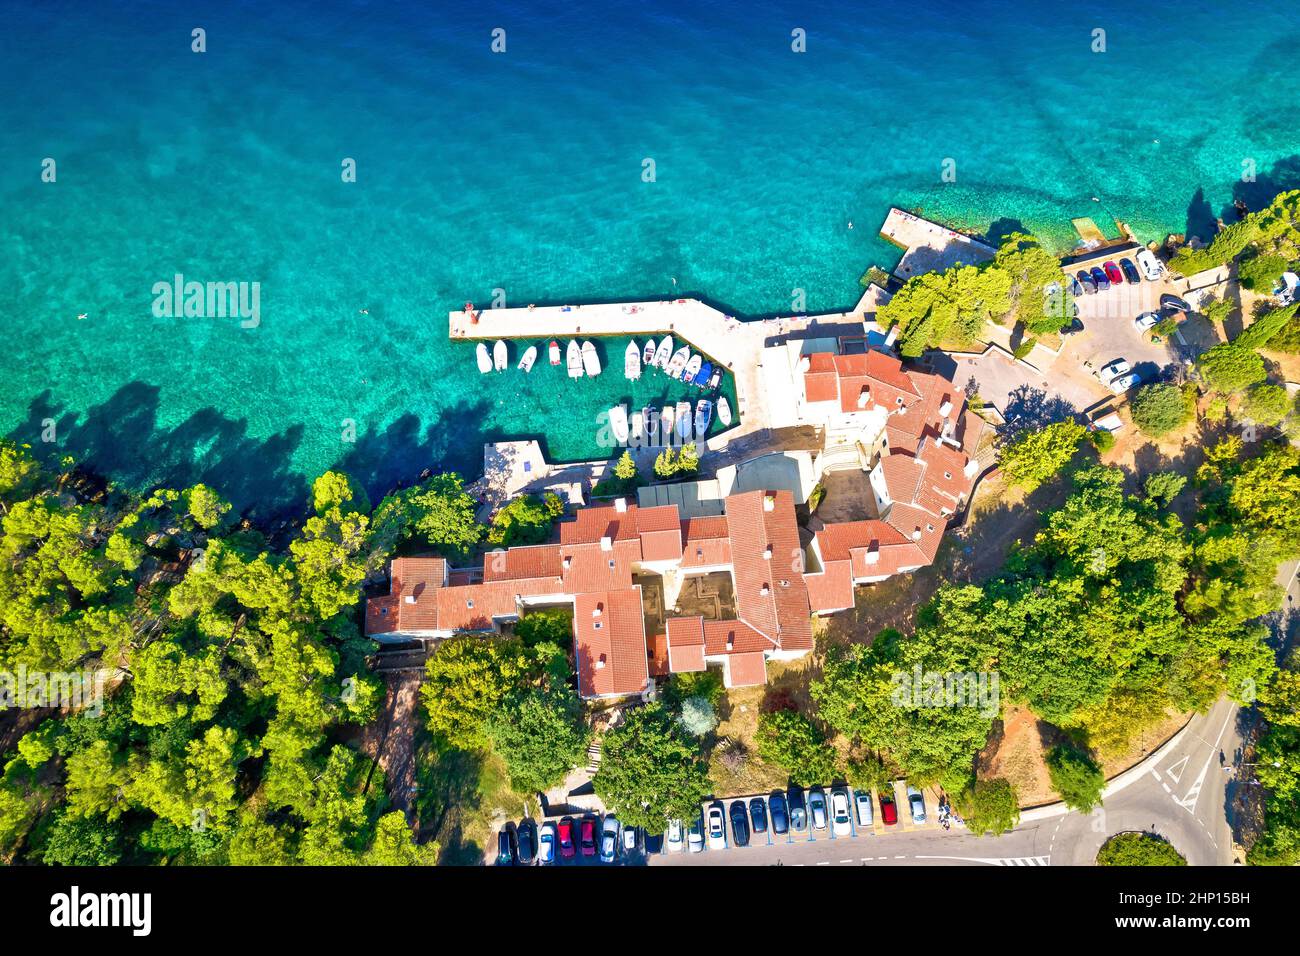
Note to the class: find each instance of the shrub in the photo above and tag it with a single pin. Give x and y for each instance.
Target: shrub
(1102, 439)
(790, 740)
(1075, 775)
(990, 806)
(697, 716)
(1138, 849)
(1160, 408)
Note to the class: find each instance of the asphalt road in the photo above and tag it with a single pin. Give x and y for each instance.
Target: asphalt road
(1185, 795)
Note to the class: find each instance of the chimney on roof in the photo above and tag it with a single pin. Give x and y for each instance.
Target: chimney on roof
(767, 553)
(769, 502)
(620, 505)
(873, 552)
(765, 590)
(864, 396)
(566, 561)
(946, 408)
(805, 363)
(409, 599)
(606, 543)
(600, 663)
(597, 611)
(916, 534)
(731, 640)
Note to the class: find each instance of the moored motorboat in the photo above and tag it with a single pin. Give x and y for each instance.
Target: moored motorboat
(683, 416)
(678, 363)
(650, 415)
(664, 353)
(666, 419)
(618, 423)
(500, 356)
(554, 351)
(530, 356)
(703, 417)
(724, 411)
(692, 369)
(648, 356)
(590, 360)
(632, 362)
(702, 376)
(484, 360)
(573, 356)
(716, 378)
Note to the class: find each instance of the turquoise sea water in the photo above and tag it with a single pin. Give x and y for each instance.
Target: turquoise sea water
(523, 171)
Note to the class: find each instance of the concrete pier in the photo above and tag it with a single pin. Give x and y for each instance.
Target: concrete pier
(930, 246)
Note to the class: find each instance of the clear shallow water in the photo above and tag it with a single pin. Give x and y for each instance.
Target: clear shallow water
(523, 171)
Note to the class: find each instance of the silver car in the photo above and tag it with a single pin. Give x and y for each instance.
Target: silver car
(817, 808)
(916, 803)
(862, 804)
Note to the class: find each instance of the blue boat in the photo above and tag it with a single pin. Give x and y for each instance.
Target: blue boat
(703, 378)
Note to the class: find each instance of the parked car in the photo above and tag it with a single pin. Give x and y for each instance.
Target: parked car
(1076, 325)
(1173, 303)
(916, 803)
(546, 844)
(780, 818)
(1086, 281)
(1146, 320)
(817, 808)
(1118, 376)
(1099, 278)
(564, 837)
(631, 840)
(888, 812)
(1287, 288)
(506, 846)
(717, 824)
(1130, 270)
(695, 836)
(1151, 267)
(1076, 287)
(654, 843)
(798, 812)
(674, 836)
(758, 814)
(609, 839)
(841, 824)
(587, 836)
(862, 804)
(1113, 273)
(739, 823)
(527, 836)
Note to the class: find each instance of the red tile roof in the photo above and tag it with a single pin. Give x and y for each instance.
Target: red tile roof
(410, 604)
(685, 644)
(767, 566)
(746, 670)
(609, 643)
(830, 589)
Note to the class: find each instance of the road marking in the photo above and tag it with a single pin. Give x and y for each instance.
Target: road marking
(827, 863)
(996, 860)
(1188, 802)
(1176, 771)
(1155, 773)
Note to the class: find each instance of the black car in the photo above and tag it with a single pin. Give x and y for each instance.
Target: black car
(1076, 325)
(654, 843)
(780, 820)
(526, 835)
(739, 823)
(798, 811)
(1099, 277)
(758, 813)
(1130, 271)
(1085, 280)
(507, 847)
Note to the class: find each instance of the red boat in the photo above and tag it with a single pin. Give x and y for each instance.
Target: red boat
(554, 352)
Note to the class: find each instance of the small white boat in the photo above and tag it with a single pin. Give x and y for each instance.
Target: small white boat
(664, 352)
(554, 351)
(692, 368)
(679, 362)
(500, 356)
(632, 361)
(526, 363)
(703, 417)
(590, 360)
(683, 416)
(618, 423)
(638, 429)
(484, 360)
(648, 356)
(650, 415)
(724, 411)
(666, 419)
(574, 358)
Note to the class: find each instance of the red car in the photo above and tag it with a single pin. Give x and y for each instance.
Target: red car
(888, 812)
(587, 840)
(1113, 273)
(566, 838)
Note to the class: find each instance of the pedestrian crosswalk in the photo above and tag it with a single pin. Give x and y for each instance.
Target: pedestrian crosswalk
(1023, 861)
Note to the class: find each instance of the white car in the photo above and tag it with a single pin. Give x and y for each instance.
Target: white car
(1152, 268)
(674, 836)
(716, 825)
(862, 804)
(1146, 320)
(1118, 376)
(609, 839)
(546, 844)
(841, 825)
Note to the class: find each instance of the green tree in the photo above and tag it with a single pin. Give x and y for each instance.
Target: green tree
(525, 520)
(439, 513)
(1160, 408)
(698, 716)
(789, 740)
(650, 772)
(540, 736)
(1260, 273)
(205, 506)
(1266, 404)
(465, 680)
(990, 806)
(1076, 777)
(1229, 367)
(1138, 849)
(1034, 456)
